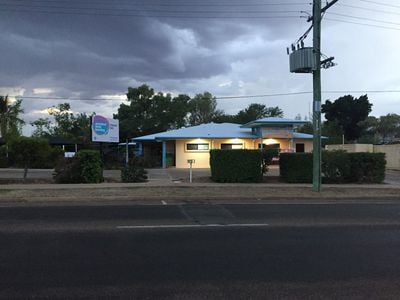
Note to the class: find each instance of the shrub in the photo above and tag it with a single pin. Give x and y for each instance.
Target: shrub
(68, 170)
(236, 165)
(296, 167)
(86, 167)
(56, 153)
(41, 155)
(335, 166)
(91, 166)
(133, 172)
(4, 163)
(29, 152)
(366, 167)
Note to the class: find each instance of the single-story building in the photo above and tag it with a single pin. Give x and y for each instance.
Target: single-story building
(176, 147)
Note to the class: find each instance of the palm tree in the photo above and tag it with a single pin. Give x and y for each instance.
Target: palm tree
(10, 123)
(9, 120)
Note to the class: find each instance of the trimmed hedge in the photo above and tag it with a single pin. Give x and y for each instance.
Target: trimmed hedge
(296, 167)
(337, 167)
(236, 165)
(367, 167)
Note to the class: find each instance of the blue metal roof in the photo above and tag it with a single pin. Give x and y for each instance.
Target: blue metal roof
(210, 131)
(302, 136)
(273, 122)
(305, 136)
(207, 131)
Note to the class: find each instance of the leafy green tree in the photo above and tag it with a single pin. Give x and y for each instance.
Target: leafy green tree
(81, 131)
(65, 124)
(224, 118)
(257, 111)
(333, 131)
(253, 112)
(149, 112)
(369, 132)
(306, 128)
(179, 111)
(64, 120)
(28, 151)
(347, 113)
(388, 127)
(43, 128)
(10, 123)
(138, 117)
(203, 109)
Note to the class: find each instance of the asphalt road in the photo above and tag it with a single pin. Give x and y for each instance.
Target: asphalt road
(346, 251)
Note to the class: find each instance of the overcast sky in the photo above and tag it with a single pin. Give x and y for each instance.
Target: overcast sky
(85, 49)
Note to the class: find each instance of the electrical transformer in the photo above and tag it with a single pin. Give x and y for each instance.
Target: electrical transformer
(302, 60)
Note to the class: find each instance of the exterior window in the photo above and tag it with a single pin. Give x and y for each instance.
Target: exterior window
(231, 146)
(197, 147)
(300, 148)
(270, 146)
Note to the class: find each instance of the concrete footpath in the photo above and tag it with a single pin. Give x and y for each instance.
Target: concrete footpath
(169, 186)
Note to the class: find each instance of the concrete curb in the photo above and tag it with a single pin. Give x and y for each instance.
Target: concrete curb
(152, 184)
(161, 200)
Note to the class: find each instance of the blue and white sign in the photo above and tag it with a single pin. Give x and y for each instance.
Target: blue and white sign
(105, 130)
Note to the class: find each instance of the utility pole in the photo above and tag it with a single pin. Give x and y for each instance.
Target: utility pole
(317, 96)
(308, 60)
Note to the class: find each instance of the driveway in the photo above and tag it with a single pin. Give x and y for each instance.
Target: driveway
(392, 177)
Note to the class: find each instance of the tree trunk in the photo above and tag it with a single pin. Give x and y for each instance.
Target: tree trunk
(25, 173)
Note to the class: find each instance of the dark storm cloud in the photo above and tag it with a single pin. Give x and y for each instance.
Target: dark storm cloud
(107, 49)
(87, 56)
(40, 43)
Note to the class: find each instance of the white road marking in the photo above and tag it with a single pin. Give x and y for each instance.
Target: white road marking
(188, 226)
(164, 202)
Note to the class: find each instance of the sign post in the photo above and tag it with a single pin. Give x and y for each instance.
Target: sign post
(104, 130)
(190, 162)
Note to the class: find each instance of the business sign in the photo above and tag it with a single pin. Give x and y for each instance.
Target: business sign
(104, 129)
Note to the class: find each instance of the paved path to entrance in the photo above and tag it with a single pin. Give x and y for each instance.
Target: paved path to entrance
(158, 175)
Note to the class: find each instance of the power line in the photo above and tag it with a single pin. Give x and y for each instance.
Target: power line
(363, 91)
(366, 19)
(150, 10)
(369, 9)
(262, 95)
(222, 97)
(362, 24)
(136, 3)
(144, 15)
(380, 3)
